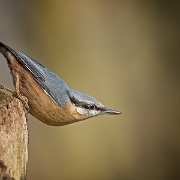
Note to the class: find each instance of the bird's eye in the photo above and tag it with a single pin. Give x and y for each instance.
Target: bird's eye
(92, 107)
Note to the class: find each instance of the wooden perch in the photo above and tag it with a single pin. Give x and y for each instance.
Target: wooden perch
(13, 139)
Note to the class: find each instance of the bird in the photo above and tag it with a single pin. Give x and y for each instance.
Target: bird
(45, 95)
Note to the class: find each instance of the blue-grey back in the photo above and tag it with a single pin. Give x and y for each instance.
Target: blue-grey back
(52, 84)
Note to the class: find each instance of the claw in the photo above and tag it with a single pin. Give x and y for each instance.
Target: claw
(7, 89)
(16, 94)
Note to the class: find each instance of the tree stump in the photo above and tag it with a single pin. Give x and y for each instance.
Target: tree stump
(13, 139)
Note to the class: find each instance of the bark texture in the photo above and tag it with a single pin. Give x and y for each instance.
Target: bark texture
(13, 139)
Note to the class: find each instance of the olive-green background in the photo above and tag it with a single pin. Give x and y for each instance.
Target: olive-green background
(124, 53)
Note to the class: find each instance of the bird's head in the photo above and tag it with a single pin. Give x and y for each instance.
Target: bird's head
(87, 106)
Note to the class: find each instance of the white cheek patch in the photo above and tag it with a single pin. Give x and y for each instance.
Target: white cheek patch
(87, 112)
(93, 112)
(81, 110)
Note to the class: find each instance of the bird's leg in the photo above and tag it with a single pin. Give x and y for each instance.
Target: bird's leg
(16, 92)
(7, 89)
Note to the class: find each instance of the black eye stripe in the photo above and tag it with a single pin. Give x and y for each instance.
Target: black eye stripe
(92, 107)
(84, 105)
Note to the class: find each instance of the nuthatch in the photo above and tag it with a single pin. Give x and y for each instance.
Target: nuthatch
(46, 95)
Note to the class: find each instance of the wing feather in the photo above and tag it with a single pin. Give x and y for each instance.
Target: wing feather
(52, 84)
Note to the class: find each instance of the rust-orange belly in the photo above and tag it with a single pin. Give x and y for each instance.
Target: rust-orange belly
(42, 106)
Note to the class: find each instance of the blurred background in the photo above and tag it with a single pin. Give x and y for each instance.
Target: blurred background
(126, 54)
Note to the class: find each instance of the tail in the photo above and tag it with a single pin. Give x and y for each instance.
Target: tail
(4, 49)
(8, 53)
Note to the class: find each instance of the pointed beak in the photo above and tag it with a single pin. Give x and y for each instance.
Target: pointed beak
(109, 112)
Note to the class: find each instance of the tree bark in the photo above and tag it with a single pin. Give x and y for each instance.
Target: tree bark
(13, 138)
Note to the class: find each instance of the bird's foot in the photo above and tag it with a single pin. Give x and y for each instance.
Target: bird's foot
(17, 94)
